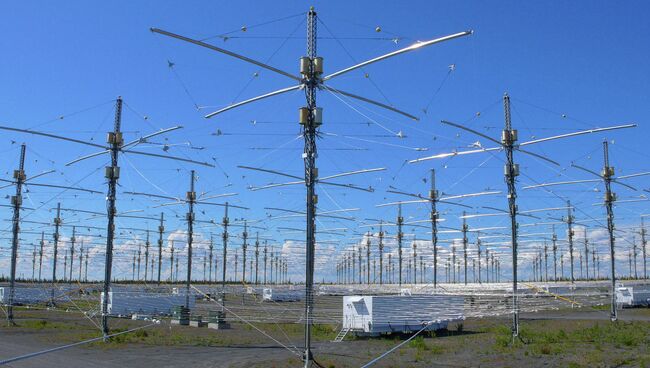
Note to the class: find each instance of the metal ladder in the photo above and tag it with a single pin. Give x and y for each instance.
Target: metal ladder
(344, 331)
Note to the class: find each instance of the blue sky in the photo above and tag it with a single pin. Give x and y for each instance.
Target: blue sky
(64, 63)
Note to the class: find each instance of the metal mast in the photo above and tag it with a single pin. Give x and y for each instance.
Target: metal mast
(224, 238)
(244, 248)
(381, 254)
(400, 220)
(311, 119)
(368, 258)
(257, 257)
(146, 257)
(478, 249)
(265, 259)
(465, 246)
(112, 174)
(161, 230)
(16, 201)
(40, 255)
(569, 222)
(191, 198)
(415, 261)
(586, 256)
(57, 225)
(360, 270)
(72, 241)
(171, 263)
(508, 139)
(81, 258)
(554, 240)
(546, 261)
(210, 259)
(433, 197)
(610, 197)
(644, 243)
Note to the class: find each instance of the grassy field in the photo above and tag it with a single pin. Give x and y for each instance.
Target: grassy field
(476, 342)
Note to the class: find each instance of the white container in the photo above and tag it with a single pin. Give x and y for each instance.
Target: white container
(129, 303)
(277, 295)
(373, 315)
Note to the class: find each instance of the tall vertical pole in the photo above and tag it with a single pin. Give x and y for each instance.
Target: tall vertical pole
(171, 263)
(644, 243)
(40, 255)
(224, 238)
(368, 258)
(354, 267)
(478, 249)
(16, 201)
(465, 228)
(311, 119)
(400, 220)
(610, 197)
(634, 253)
(433, 197)
(139, 259)
(453, 264)
(508, 139)
(72, 242)
(191, 198)
(265, 259)
(586, 256)
(415, 261)
(244, 251)
(33, 264)
(593, 262)
(569, 222)
(65, 266)
(360, 270)
(57, 226)
(546, 262)
(257, 258)
(161, 230)
(146, 258)
(381, 253)
(112, 174)
(86, 268)
(554, 240)
(487, 265)
(81, 258)
(210, 258)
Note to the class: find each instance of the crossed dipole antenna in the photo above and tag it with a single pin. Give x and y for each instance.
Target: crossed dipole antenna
(607, 176)
(115, 146)
(19, 180)
(433, 199)
(191, 199)
(311, 80)
(509, 145)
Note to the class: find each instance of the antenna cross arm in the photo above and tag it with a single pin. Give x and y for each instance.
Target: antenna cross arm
(261, 97)
(364, 99)
(223, 51)
(413, 47)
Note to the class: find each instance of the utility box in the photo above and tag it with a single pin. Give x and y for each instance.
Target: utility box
(217, 320)
(384, 314)
(180, 316)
